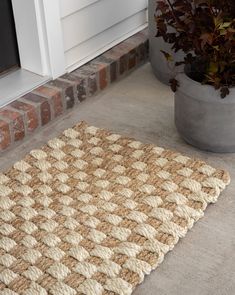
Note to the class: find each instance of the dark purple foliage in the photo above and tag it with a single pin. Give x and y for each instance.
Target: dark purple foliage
(205, 31)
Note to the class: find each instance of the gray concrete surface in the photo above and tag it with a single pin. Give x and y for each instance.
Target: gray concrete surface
(203, 263)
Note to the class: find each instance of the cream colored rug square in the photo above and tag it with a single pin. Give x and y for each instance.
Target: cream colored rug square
(93, 212)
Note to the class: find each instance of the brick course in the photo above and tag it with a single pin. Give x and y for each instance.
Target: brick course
(68, 90)
(32, 118)
(90, 75)
(39, 107)
(17, 121)
(44, 105)
(55, 96)
(5, 136)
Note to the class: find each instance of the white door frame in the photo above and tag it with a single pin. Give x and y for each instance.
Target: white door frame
(39, 36)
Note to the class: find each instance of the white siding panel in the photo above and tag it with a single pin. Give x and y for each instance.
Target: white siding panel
(97, 18)
(68, 7)
(90, 27)
(96, 45)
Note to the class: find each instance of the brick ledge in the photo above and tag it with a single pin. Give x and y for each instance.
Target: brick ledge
(27, 114)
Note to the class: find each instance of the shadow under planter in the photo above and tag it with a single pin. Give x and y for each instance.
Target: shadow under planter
(203, 118)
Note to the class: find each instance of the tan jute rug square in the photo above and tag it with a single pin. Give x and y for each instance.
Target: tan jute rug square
(93, 212)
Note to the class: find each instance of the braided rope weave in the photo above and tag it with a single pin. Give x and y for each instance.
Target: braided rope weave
(93, 212)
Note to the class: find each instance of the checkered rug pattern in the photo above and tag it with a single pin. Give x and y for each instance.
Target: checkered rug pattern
(93, 212)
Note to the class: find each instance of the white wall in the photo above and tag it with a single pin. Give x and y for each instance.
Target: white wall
(90, 27)
(61, 35)
(56, 36)
(39, 36)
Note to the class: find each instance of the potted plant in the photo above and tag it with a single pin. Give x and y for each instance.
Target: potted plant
(205, 91)
(161, 67)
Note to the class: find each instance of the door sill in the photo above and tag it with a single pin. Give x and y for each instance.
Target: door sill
(18, 83)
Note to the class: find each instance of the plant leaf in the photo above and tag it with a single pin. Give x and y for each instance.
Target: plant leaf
(224, 91)
(174, 84)
(167, 55)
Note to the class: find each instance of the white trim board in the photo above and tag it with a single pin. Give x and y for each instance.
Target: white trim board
(54, 35)
(39, 36)
(28, 21)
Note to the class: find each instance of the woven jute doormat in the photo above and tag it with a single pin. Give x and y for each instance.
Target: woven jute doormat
(93, 212)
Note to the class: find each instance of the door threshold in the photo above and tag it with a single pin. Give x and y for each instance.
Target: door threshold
(18, 83)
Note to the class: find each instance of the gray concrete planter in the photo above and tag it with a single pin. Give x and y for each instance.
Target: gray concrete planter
(202, 118)
(159, 64)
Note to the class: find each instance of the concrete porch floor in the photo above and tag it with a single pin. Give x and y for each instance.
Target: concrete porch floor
(140, 106)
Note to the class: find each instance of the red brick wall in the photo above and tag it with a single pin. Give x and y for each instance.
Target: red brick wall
(37, 108)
